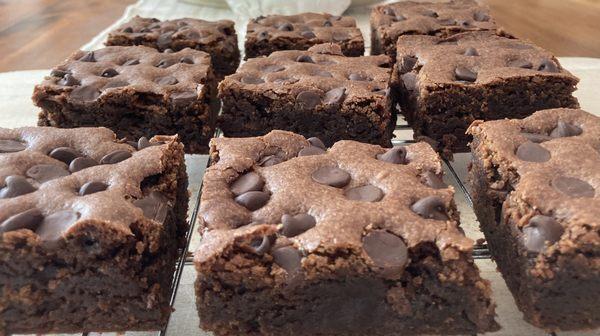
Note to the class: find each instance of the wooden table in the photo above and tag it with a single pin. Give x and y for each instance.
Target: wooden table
(38, 34)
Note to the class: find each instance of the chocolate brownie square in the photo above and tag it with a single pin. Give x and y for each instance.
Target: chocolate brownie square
(443, 19)
(218, 38)
(267, 34)
(134, 91)
(351, 240)
(447, 83)
(90, 229)
(536, 191)
(318, 92)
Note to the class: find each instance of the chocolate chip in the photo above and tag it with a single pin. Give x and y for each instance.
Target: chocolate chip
(295, 225)
(54, 226)
(385, 249)
(285, 80)
(286, 27)
(165, 63)
(431, 207)
(358, 77)
(471, 52)
(433, 180)
(155, 206)
(573, 187)
(520, 63)
(464, 74)
(250, 181)
(311, 150)
(366, 193)
(308, 99)
(184, 97)
(110, 72)
(314, 141)
(396, 155)
(115, 157)
(464, 23)
(288, 258)
(92, 187)
(164, 40)
(46, 172)
(252, 80)
(167, 80)
(81, 163)
(335, 96)
(270, 160)
(15, 186)
(261, 245)
(143, 142)
(263, 35)
(132, 62)
(308, 34)
(331, 176)
(304, 59)
(327, 23)
(186, 60)
(68, 80)
(548, 66)
(64, 154)
(481, 16)
(85, 93)
(541, 229)
(532, 152)
(253, 200)
(88, 57)
(536, 137)
(58, 73)
(340, 36)
(11, 146)
(28, 219)
(407, 63)
(447, 22)
(273, 68)
(429, 12)
(127, 30)
(564, 129)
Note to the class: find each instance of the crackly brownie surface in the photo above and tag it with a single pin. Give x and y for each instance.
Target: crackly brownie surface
(82, 214)
(536, 188)
(365, 235)
(318, 92)
(135, 91)
(388, 22)
(218, 38)
(447, 83)
(266, 34)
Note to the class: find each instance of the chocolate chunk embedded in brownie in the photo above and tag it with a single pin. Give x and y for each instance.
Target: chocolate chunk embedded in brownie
(135, 91)
(443, 19)
(447, 83)
(355, 239)
(89, 230)
(217, 38)
(536, 191)
(318, 92)
(267, 34)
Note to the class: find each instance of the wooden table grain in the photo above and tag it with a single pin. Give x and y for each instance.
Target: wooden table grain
(37, 34)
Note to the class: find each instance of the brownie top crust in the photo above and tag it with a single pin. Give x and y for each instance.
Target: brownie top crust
(551, 160)
(177, 77)
(319, 75)
(326, 200)
(164, 32)
(473, 58)
(321, 27)
(55, 180)
(427, 18)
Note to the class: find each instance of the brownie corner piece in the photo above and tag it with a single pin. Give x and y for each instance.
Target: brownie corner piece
(535, 185)
(294, 231)
(90, 230)
(217, 38)
(447, 83)
(316, 92)
(135, 91)
(266, 34)
(390, 21)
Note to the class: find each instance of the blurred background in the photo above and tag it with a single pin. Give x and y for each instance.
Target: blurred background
(36, 34)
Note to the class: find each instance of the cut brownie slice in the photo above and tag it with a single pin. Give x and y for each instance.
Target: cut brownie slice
(443, 19)
(134, 91)
(536, 191)
(357, 239)
(267, 34)
(448, 83)
(217, 38)
(318, 92)
(89, 230)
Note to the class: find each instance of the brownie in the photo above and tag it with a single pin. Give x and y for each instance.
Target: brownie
(89, 230)
(536, 191)
(217, 38)
(355, 239)
(443, 19)
(134, 91)
(266, 34)
(318, 92)
(447, 83)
